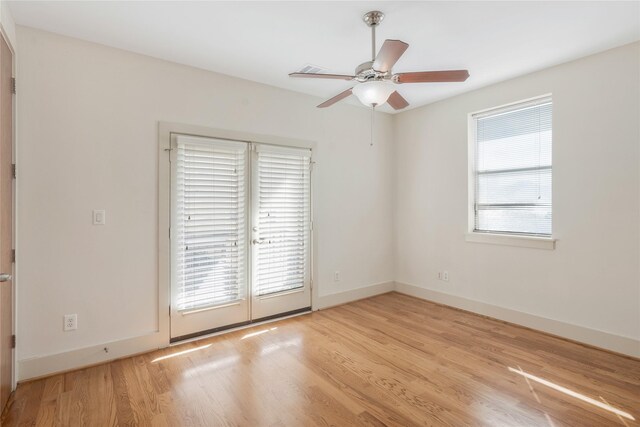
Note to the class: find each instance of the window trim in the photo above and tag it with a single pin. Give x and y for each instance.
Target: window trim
(521, 240)
(509, 239)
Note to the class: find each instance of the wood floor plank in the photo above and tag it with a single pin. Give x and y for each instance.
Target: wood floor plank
(47, 413)
(125, 413)
(391, 360)
(32, 405)
(401, 360)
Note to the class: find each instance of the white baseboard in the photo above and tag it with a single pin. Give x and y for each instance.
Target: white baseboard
(60, 362)
(605, 340)
(331, 300)
(73, 359)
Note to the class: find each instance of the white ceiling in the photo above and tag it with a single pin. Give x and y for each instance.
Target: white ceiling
(264, 41)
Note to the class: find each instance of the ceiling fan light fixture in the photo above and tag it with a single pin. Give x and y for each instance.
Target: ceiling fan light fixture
(374, 92)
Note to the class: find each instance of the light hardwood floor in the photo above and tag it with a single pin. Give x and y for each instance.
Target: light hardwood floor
(389, 360)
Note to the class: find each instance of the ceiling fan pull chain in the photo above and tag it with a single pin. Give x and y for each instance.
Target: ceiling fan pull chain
(373, 111)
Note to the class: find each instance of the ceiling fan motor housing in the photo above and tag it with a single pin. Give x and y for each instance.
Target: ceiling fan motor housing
(365, 73)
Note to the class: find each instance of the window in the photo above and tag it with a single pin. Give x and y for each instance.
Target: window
(512, 169)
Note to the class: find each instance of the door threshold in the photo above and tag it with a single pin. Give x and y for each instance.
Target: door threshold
(237, 326)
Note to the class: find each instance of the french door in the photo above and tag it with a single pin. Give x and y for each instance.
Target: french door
(281, 230)
(240, 233)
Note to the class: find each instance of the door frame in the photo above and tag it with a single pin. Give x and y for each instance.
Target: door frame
(165, 131)
(14, 155)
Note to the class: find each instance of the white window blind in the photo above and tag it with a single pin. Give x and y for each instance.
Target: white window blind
(210, 222)
(513, 169)
(284, 208)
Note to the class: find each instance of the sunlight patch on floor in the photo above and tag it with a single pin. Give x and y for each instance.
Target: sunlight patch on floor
(573, 394)
(270, 348)
(253, 334)
(214, 365)
(180, 353)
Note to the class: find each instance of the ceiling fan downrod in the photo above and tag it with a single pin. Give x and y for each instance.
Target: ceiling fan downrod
(373, 19)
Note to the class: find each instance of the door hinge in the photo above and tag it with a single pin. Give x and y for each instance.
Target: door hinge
(13, 255)
(13, 85)
(13, 341)
(13, 170)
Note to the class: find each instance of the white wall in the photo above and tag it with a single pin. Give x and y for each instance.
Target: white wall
(88, 119)
(84, 146)
(592, 279)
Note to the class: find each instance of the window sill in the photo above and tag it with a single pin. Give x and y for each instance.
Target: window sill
(510, 240)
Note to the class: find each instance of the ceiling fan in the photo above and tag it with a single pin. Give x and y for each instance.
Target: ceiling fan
(376, 82)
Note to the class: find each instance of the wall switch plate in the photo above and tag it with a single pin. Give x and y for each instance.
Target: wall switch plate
(445, 276)
(70, 322)
(336, 276)
(99, 217)
(439, 275)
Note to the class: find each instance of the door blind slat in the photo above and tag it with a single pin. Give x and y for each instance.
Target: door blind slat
(211, 224)
(284, 214)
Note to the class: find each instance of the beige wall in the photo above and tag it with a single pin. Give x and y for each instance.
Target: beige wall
(88, 119)
(592, 278)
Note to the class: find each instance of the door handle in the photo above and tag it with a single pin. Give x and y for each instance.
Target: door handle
(4, 277)
(258, 241)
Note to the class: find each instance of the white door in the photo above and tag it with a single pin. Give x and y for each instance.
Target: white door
(227, 270)
(209, 236)
(281, 230)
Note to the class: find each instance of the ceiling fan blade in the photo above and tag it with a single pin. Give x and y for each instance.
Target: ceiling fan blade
(322, 76)
(397, 101)
(389, 54)
(432, 76)
(338, 97)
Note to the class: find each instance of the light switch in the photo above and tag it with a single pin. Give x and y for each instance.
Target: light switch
(99, 217)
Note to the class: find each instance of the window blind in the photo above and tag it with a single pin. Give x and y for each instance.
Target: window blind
(284, 208)
(210, 222)
(513, 169)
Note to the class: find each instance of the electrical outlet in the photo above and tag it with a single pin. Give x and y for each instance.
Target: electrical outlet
(439, 275)
(445, 276)
(99, 217)
(336, 276)
(70, 322)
